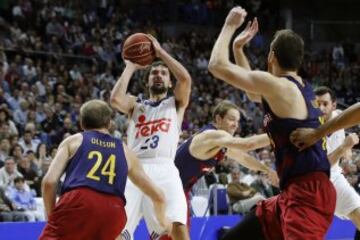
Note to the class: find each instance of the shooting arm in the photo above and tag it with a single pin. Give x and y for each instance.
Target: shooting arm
(119, 99)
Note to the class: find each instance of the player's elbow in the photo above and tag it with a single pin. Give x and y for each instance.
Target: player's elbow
(116, 104)
(48, 182)
(217, 67)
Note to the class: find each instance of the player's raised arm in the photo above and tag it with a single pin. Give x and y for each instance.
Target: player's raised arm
(183, 78)
(305, 137)
(240, 41)
(120, 99)
(145, 184)
(51, 179)
(256, 82)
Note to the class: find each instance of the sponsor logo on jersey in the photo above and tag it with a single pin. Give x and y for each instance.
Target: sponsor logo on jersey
(146, 129)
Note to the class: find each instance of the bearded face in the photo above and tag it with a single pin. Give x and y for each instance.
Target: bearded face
(159, 80)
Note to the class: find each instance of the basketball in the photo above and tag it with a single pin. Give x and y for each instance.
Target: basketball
(138, 49)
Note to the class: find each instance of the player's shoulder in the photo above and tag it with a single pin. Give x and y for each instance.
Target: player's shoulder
(73, 140)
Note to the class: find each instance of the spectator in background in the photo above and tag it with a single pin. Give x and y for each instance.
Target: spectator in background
(20, 114)
(113, 130)
(4, 150)
(8, 211)
(8, 173)
(262, 186)
(16, 151)
(23, 199)
(42, 155)
(32, 177)
(5, 119)
(242, 196)
(28, 142)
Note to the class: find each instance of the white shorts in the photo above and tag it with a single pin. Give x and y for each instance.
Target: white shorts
(165, 176)
(347, 199)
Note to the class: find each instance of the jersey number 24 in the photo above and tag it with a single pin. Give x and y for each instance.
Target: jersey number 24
(107, 168)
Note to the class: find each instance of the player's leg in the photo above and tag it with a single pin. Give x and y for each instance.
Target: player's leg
(248, 228)
(355, 217)
(307, 207)
(85, 214)
(347, 200)
(167, 178)
(134, 198)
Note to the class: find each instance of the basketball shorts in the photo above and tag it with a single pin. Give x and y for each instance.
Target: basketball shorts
(166, 176)
(83, 213)
(347, 199)
(303, 210)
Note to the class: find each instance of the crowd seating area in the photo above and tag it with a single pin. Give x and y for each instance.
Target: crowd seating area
(55, 55)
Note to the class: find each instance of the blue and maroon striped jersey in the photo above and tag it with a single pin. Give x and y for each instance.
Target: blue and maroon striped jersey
(99, 164)
(290, 162)
(191, 168)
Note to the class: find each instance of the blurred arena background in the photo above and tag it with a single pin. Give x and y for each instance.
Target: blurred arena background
(56, 54)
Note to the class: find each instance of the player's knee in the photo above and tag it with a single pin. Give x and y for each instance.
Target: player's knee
(179, 231)
(355, 217)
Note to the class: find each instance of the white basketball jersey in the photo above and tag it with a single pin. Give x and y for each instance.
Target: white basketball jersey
(154, 130)
(333, 142)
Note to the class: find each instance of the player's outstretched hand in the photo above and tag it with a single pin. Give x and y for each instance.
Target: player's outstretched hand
(156, 45)
(247, 34)
(236, 17)
(273, 178)
(351, 140)
(304, 137)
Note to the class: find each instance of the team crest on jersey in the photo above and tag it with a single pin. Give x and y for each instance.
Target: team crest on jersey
(146, 129)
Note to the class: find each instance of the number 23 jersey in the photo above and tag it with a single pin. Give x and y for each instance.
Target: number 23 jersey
(99, 163)
(153, 131)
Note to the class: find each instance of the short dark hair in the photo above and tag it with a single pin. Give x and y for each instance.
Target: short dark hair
(154, 64)
(288, 48)
(222, 108)
(95, 114)
(319, 91)
(19, 179)
(9, 158)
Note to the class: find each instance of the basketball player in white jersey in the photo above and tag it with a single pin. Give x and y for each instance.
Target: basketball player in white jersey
(153, 134)
(339, 146)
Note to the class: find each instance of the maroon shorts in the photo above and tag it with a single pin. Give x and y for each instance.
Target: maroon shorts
(304, 210)
(83, 213)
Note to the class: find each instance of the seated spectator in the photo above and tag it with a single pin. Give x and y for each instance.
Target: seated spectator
(24, 200)
(28, 142)
(8, 173)
(242, 196)
(20, 114)
(263, 186)
(31, 176)
(16, 152)
(113, 130)
(5, 118)
(4, 150)
(8, 211)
